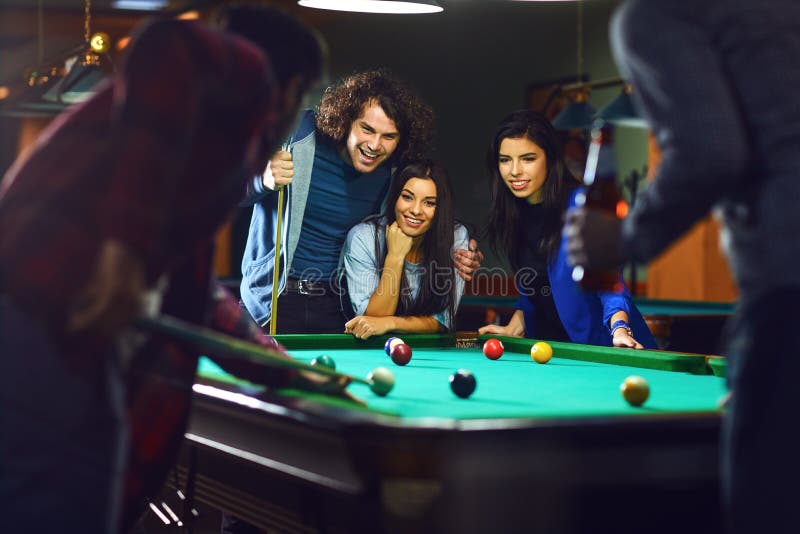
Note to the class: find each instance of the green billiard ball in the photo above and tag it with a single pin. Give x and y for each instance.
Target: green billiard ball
(324, 361)
(381, 381)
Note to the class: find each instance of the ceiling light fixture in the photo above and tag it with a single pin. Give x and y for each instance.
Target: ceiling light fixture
(140, 5)
(403, 7)
(52, 86)
(579, 114)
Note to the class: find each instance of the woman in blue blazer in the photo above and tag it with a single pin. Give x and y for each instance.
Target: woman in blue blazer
(531, 190)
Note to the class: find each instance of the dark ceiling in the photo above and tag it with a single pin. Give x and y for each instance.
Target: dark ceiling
(101, 6)
(34, 31)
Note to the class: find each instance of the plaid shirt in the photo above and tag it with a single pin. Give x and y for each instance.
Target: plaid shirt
(157, 159)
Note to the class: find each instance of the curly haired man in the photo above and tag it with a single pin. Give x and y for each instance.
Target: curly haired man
(339, 163)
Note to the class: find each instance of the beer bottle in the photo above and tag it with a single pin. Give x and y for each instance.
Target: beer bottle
(601, 193)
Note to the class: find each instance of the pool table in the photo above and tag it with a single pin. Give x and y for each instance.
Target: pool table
(678, 325)
(538, 447)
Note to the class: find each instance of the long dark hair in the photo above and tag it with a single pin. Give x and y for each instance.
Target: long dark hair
(437, 283)
(503, 228)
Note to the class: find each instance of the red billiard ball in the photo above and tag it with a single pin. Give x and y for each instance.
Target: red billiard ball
(493, 348)
(401, 354)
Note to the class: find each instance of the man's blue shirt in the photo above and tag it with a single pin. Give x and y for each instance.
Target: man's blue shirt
(339, 197)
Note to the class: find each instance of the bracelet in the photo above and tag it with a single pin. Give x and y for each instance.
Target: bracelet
(621, 324)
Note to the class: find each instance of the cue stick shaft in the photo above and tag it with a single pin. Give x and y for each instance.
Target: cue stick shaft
(276, 272)
(238, 348)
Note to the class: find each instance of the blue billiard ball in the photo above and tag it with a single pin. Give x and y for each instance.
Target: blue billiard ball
(390, 344)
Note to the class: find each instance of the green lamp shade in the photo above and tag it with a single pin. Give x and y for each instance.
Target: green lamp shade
(577, 116)
(622, 112)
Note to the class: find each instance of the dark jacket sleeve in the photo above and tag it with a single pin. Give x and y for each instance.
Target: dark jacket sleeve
(680, 85)
(228, 317)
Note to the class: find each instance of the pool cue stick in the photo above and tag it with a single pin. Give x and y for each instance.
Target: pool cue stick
(237, 348)
(276, 276)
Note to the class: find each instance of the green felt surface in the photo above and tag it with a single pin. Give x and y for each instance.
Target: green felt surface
(579, 381)
(646, 306)
(683, 307)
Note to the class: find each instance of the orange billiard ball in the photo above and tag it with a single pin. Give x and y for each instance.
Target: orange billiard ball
(635, 390)
(493, 348)
(541, 352)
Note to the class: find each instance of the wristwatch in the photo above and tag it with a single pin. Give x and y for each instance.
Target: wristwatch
(621, 324)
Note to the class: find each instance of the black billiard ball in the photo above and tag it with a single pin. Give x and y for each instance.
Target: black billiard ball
(324, 361)
(463, 383)
(401, 354)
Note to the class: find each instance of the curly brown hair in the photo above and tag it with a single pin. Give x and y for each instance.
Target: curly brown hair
(342, 104)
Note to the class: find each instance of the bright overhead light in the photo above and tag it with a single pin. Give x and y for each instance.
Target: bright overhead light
(140, 5)
(376, 6)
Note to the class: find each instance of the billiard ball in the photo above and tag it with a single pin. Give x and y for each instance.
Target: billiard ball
(635, 390)
(401, 354)
(381, 381)
(324, 361)
(541, 352)
(493, 348)
(390, 343)
(463, 383)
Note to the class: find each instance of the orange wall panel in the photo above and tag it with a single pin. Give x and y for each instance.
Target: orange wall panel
(693, 268)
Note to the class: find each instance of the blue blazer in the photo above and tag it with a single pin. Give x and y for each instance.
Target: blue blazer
(584, 314)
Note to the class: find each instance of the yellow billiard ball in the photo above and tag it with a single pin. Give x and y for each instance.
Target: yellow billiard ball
(635, 390)
(541, 352)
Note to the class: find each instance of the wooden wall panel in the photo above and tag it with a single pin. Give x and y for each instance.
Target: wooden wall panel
(222, 252)
(693, 268)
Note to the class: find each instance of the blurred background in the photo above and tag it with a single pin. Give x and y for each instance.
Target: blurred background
(474, 62)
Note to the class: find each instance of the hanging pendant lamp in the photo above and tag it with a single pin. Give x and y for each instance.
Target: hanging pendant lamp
(376, 6)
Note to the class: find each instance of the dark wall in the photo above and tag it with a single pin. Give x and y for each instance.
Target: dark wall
(473, 63)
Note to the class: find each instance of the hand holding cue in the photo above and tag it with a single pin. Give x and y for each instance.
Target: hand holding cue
(237, 348)
(276, 272)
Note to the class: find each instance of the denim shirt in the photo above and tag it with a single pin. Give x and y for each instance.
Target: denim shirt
(364, 271)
